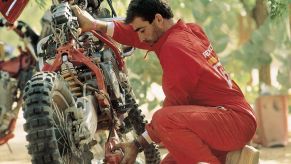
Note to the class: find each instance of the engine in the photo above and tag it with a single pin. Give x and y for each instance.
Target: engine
(65, 27)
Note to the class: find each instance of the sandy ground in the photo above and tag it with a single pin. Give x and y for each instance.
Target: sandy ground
(19, 153)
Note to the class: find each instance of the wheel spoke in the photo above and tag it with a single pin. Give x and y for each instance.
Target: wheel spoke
(60, 120)
(62, 128)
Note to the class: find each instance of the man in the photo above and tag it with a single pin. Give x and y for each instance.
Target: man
(205, 114)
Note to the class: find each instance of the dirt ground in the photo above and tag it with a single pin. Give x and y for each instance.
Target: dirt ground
(19, 153)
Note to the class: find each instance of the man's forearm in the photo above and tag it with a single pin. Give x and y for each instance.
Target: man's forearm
(100, 26)
(104, 27)
(144, 140)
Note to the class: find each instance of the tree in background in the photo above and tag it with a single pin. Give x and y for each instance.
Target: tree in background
(246, 34)
(269, 36)
(284, 55)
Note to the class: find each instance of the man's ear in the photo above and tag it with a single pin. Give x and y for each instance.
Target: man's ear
(159, 19)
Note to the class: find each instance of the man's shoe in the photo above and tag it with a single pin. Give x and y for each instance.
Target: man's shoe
(247, 155)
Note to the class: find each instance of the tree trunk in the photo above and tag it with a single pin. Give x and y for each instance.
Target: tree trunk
(264, 74)
(260, 14)
(245, 29)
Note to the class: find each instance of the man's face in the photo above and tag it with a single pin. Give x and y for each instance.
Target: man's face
(147, 32)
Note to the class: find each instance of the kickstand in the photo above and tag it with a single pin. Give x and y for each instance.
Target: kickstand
(9, 147)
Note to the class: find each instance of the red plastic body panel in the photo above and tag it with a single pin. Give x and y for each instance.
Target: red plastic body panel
(11, 9)
(15, 65)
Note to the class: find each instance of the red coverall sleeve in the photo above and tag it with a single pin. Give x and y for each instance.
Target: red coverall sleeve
(124, 34)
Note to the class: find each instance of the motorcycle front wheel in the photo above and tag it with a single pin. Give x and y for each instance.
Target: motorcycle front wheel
(53, 123)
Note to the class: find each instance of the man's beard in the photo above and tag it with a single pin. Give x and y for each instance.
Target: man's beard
(150, 42)
(157, 33)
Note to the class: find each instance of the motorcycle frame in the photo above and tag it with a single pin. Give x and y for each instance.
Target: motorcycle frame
(77, 57)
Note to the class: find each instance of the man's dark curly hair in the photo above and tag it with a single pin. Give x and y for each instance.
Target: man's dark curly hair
(147, 9)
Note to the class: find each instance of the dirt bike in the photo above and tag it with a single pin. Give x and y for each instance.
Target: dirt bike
(14, 73)
(83, 88)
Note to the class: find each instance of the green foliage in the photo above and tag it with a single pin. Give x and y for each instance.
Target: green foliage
(41, 3)
(257, 51)
(241, 74)
(143, 73)
(278, 8)
(248, 4)
(182, 9)
(120, 7)
(284, 74)
(269, 41)
(218, 19)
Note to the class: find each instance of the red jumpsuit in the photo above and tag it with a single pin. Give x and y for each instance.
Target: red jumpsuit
(205, 114)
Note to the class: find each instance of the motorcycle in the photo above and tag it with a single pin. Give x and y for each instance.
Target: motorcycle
(83, 88)
(14, 73)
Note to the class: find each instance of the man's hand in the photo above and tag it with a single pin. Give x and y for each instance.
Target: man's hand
(130, 152)
(87, 22)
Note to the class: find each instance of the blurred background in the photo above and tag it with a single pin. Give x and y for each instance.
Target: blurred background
(252, 39)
